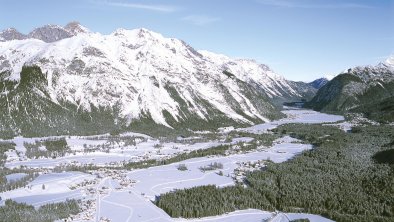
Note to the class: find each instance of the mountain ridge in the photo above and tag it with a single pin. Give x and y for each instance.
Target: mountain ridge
(140, 75)
(47, 33)
(363, 89)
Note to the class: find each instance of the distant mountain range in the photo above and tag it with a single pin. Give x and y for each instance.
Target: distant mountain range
(69, 80)
(47, 33)
(364, 89)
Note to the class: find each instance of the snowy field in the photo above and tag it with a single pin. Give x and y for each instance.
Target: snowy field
(295, 116)
(136, 204)
(116, 155)
(156, 180)
(15, 176)
(127, 195)
(49, 188)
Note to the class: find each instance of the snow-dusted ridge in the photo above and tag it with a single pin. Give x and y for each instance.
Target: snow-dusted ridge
(250, 70)
(390, 61)
(143, 73)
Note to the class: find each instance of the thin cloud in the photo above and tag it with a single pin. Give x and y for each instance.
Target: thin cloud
(201, 20)
(151, 7)
(312, 4)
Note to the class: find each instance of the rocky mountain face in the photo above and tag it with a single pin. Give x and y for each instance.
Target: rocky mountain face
(47, 33)
(130, 79)
(74, 28)
(11, 34)
(365, 89)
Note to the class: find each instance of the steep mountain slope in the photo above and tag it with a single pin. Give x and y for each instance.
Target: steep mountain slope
(304, 90)
(381, 110)
(27, 109)
(276, 86)
(368, 89)
(318, 83)
(135, 78)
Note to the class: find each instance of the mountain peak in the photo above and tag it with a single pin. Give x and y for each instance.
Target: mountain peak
(141, 35)
(49, 33)
(390, 61)
(11, 29)
(74, 28)
(11, 34)
(143, 32)
(318, 83)
(46, 33)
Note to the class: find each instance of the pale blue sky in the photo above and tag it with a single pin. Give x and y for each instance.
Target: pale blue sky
(299, 39)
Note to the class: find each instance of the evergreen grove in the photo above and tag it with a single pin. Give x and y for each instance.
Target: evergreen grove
(339, 179)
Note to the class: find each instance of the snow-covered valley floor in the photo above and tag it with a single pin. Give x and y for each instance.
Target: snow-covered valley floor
(126, 195)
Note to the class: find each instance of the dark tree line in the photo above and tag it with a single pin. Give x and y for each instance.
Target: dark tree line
(13, 211)
(217, 150)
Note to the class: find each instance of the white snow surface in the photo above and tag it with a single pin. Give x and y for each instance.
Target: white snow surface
(390, 61)
(131, 69)
(48, 188)
(250, 70)
(15, 176)
(295, 116)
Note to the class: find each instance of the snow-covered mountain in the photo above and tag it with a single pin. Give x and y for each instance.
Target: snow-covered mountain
(367, 89)
(141, 74)
(250, 71)
(390, 61)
